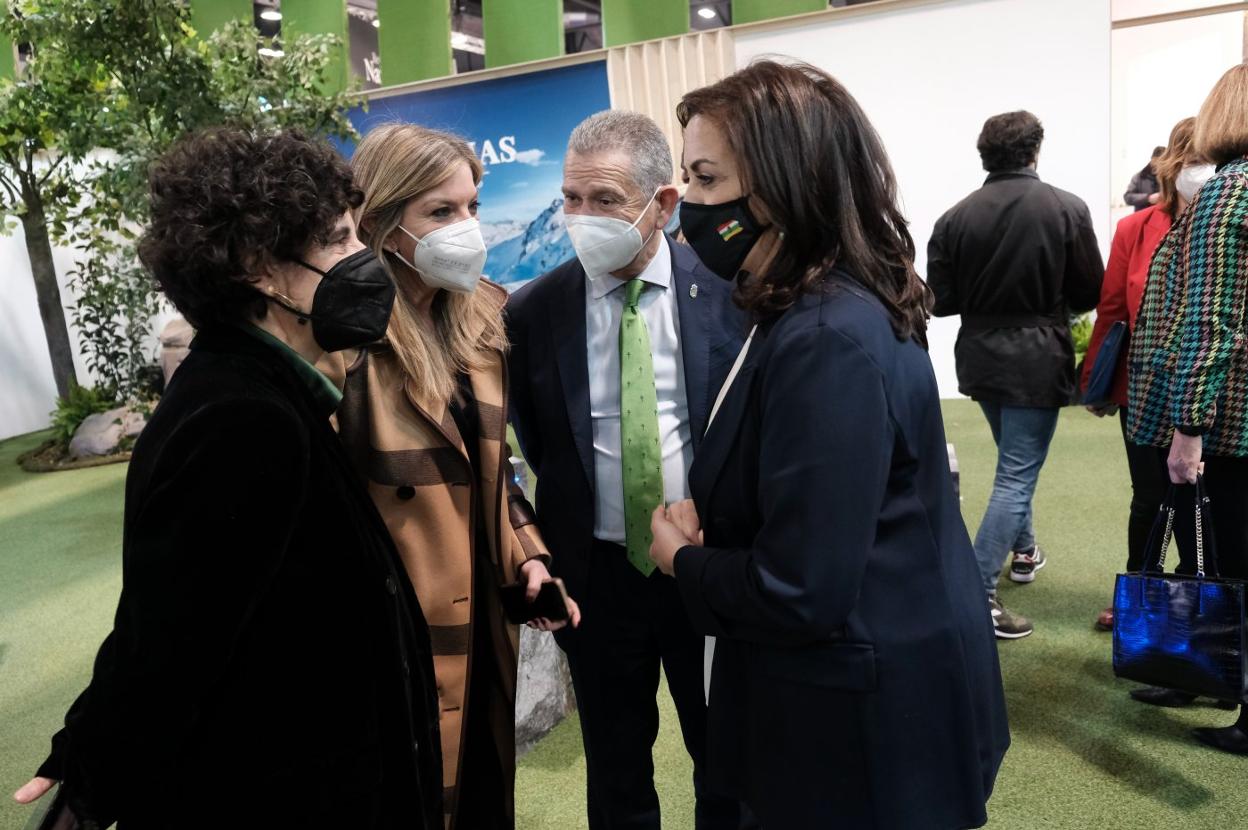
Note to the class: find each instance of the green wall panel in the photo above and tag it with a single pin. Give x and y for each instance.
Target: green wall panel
(320, 17)
(522, 30)
(209, 15)
(628, 21)
(415, 40)
(748, 11)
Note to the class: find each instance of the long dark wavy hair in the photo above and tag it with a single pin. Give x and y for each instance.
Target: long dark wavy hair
(809, 154)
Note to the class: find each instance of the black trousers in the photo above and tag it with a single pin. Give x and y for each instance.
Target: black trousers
(1226, 484)
(632, 625)
(1150, 480)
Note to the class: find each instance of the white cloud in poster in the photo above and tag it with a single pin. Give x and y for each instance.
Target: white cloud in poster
(533, 157)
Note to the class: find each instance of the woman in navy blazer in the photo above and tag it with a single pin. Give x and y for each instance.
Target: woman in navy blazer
(855, 681)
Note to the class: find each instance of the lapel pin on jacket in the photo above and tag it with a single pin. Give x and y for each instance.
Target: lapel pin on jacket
(693, 291)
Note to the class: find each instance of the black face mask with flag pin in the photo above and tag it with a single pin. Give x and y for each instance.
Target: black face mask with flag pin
(721, 235)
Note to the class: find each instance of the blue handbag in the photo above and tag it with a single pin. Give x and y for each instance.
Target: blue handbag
(1182, 632)
(1100, 389)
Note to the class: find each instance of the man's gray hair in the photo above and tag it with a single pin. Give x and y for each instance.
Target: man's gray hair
(634, 133)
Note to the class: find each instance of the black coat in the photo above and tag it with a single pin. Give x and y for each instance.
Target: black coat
(268, 665)
(855, 682)
(549, 380)
(1015, 259)
(1141, 188)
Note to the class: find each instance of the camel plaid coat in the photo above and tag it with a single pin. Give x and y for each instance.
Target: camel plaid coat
(418, 472)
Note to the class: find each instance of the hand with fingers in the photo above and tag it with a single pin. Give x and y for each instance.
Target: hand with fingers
(674, 527)
(1184, 461)
(535, 574)
(33, 790)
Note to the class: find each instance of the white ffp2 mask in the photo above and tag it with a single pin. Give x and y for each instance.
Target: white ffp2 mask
(1192, 178)
(450, 257)
(605, 244)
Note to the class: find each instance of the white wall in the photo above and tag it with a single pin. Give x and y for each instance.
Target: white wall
(27, 390)
(1161, 75)
(928, 76)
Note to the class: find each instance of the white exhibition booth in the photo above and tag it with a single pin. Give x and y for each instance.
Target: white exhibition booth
(928, 72)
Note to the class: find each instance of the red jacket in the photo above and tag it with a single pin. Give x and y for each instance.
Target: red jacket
(1135, 240)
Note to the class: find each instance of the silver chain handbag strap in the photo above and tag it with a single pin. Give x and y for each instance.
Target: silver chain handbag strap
(1202, 502)
(1167, 537)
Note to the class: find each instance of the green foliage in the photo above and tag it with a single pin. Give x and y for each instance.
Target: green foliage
(76, 407)
(114, 307)
(50, 119)
(113, 83)
(1081, 334)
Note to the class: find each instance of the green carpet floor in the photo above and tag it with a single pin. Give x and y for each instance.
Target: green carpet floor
(1084, 756)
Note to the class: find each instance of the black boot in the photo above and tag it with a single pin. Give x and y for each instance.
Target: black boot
(1233, 739)
(1155, 696)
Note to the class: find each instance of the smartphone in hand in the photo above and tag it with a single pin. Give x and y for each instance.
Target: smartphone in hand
(551, 602)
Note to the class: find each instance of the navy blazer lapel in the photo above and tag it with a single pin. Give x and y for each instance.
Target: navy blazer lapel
(694, 300)
(721, 435)
(567, 328)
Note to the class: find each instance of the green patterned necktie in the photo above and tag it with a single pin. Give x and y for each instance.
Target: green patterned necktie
(640, 455)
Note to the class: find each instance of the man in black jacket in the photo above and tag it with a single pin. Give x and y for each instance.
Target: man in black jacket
(1142, 189)
(1015, 259)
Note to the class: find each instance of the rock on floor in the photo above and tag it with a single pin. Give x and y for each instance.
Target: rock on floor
(101, 434)
(98, 434)
(543, 688)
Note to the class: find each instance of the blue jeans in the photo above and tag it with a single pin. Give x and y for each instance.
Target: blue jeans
(1022, 435)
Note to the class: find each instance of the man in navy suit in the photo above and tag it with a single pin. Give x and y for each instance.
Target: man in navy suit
(616, 359)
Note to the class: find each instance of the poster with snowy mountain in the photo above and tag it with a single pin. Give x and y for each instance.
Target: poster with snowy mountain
(519, 128)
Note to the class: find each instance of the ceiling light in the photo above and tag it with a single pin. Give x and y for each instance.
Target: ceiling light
(467, 43)
(270, 14)
(706, 13)
(271, 53)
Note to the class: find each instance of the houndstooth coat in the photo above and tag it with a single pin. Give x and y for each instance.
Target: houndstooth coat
(1189, 356)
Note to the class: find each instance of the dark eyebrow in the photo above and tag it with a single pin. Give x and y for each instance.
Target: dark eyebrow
(338, 235)
(694, 165)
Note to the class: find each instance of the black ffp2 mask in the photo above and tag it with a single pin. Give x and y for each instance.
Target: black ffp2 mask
(352, 305)
(721, 235)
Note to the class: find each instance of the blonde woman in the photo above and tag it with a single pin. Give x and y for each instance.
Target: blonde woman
(1188, 364)
(424, 416)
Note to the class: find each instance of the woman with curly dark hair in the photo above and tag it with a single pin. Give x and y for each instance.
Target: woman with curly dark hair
(853, 648)
(268, 665)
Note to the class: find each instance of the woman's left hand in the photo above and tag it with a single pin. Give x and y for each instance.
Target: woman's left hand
(33, 790)
(668, 539)
(535, 574)
(1184, 461)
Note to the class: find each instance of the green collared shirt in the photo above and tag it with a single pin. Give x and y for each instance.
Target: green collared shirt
(326, 395)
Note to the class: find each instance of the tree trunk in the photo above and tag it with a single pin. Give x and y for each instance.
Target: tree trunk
(39, 249)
